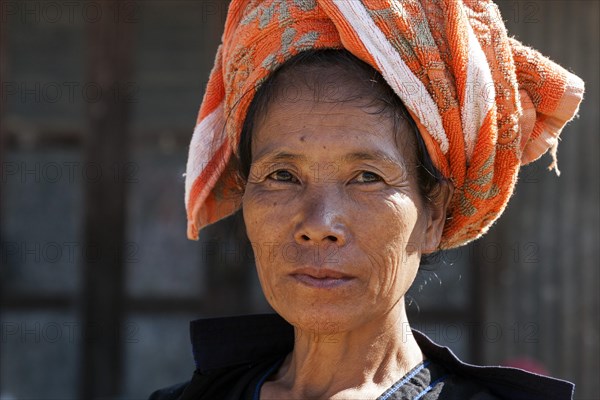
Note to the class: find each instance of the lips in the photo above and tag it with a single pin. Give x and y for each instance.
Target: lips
(321, 277)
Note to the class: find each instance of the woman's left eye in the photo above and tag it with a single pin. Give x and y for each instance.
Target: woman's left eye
(368, 177)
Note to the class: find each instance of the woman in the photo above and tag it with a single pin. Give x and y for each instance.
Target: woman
(358, 137)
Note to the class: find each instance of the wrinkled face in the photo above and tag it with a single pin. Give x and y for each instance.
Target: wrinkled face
(334, 213)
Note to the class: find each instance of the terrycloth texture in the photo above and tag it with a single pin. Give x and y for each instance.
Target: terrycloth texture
(484, 103)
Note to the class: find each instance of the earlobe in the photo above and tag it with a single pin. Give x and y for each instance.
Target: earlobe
(438, 211)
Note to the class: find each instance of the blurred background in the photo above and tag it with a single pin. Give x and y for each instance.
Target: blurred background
(98, 281)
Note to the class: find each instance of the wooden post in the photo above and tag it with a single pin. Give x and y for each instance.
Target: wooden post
(3, 130)
(106, 151)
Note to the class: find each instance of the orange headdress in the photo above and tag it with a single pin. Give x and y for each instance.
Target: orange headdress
(484, 103)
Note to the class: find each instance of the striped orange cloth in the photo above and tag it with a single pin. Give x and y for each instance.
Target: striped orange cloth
(484, 103)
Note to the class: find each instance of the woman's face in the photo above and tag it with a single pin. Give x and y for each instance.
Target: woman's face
(334, 213)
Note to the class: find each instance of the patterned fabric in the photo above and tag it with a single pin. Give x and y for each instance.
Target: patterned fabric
(484, 103)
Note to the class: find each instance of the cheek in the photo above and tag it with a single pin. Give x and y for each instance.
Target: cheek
(260, 214)
(388, 244)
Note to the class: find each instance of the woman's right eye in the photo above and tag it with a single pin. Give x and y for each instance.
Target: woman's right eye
(283, 175)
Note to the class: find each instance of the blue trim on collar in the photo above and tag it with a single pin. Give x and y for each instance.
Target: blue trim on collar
(398, 385)
(264, 378)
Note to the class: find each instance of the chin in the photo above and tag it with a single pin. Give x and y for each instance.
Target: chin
(322, 318)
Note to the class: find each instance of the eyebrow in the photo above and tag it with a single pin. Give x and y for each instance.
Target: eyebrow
(282, 156)
(374, 156)
(351, 157)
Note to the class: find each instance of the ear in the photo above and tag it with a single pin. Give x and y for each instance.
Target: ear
(437, 218)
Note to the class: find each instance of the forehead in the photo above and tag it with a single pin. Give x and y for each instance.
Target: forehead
(321, 126)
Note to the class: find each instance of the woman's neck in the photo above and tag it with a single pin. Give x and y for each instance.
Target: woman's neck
(360, 363)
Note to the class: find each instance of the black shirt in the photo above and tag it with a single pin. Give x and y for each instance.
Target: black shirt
(234, 356)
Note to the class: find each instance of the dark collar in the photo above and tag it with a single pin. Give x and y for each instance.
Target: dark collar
(226, 342)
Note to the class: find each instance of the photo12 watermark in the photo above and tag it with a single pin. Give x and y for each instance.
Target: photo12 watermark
(70, 332)
(70, 92)
(70, 172)
(54, 252)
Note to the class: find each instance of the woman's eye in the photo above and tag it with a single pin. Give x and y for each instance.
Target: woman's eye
(283, 176)
(368, 177)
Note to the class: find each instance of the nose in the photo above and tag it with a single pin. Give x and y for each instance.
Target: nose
(322, 221)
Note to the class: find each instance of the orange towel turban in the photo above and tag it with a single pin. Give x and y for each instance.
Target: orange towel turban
(484, 103)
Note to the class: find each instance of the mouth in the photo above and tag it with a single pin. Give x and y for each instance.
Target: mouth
(321, 278)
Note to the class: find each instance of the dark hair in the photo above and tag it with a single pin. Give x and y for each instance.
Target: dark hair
(372, 88)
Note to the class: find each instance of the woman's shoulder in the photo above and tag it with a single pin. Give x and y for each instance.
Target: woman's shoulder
(431, 380)
(497, 381)
(230, 353)
(232, 382)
